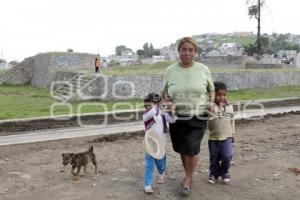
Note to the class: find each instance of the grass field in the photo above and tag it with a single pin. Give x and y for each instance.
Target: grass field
(160, 67)
(27, 101)
(2, 72)
(156, 68)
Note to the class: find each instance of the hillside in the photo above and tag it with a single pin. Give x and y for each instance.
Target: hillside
(277, 41)
(212, 40)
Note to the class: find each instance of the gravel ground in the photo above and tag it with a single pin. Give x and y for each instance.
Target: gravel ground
(263, 153)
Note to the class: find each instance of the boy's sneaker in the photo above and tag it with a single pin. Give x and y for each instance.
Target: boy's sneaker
(226, 179)
(211, 179)
(161, 178)
(148, 190)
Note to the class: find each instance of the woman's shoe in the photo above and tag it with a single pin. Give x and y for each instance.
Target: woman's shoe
(186, 191)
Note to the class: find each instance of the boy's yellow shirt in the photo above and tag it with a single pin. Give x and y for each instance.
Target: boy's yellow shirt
(221, 126)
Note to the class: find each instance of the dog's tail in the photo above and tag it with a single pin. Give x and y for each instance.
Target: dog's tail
(91, 148)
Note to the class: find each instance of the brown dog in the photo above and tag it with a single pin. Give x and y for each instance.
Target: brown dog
(80, 159)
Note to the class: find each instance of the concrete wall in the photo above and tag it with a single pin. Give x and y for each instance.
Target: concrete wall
(40, 70)
(297, 60)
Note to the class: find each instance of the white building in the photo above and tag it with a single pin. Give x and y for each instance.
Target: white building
(4, 65)
(230, 49)
(297, 60)
(125, 59)
(287, 56)
(170, 53)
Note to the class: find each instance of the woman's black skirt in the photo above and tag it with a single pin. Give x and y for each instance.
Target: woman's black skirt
(186, 134)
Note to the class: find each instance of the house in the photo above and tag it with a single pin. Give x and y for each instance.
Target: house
(126, 58)
(230, 49)
(170, 53)
(287, 56)
(4, 65)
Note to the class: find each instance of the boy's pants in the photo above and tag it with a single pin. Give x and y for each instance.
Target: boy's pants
(149, 168)
(220, 156)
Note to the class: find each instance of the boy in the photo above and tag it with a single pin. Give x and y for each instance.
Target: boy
(220, 140)
(155, 118)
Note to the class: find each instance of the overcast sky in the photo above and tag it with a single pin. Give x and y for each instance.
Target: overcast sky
(32, 26)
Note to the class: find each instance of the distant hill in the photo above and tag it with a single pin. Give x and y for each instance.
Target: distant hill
(214, 40)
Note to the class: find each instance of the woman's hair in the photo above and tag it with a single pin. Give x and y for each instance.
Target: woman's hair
(187, 39)
(220, 86)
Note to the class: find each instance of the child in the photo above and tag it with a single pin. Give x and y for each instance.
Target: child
(155, 117)
(220, 140)
(97, 65)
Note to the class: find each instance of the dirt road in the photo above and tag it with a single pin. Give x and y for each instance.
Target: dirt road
(263, 152)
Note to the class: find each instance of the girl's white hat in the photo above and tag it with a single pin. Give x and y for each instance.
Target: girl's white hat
(154, 144)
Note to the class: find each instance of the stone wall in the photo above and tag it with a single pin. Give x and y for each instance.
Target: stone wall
(137, 86)
(24, 74)
(248, 80)
(237, 80)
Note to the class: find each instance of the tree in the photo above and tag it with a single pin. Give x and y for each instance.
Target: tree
(120, 49)
(281, 42)
(148, 51)
(140, 53)
(250, 49)
(254, 11)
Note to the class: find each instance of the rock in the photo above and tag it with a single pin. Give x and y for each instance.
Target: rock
(115, 179)
(3, 190)
(173, 178)
(204, 171)
(21, 174)
(248, 158)
(94, 185)
(123, 170)
(276, 174)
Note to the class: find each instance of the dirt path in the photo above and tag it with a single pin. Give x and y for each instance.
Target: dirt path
(262, 155)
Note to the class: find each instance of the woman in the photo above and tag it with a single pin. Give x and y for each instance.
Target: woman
(190, 85)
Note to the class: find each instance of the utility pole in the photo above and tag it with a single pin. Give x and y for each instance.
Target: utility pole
(258, 40)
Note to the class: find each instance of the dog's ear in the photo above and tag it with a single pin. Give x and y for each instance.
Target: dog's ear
(72, 154)
(62, 154)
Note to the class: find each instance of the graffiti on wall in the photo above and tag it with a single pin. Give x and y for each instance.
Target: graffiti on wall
(68, 60)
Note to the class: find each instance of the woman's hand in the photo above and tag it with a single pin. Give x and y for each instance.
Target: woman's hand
(211, 109)
(167, 105)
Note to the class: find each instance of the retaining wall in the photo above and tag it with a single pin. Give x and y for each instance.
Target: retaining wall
(136, 86)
